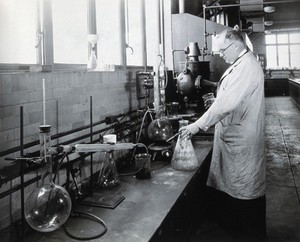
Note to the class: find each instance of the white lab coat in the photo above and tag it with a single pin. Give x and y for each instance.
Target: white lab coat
(238, 162)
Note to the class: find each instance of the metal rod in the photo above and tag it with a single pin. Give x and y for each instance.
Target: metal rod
(22, 174)
(91, 140)
(175, 135)
(33, 143)
(144, 34)
(249, 4)
(173, 61)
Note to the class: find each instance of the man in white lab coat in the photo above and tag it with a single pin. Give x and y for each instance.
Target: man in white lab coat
(238, 170)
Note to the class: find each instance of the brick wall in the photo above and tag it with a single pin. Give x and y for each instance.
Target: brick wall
(67, 107)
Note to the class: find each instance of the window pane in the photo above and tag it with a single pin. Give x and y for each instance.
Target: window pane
(282, 38)
(108, 28)
(18, 31)
(270, 39)
(152, 32)
(134, 35)
(70, 31)
(295, 38)
(283, 56)
(295, 56)
(271, 56)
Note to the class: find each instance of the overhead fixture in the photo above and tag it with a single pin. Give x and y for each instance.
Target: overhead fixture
(269, 9)
(268, 23)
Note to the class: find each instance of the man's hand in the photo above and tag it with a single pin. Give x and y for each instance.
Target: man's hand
(208, 100)
(188, 131)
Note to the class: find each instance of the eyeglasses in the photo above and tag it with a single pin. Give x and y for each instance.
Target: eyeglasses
(221, 52)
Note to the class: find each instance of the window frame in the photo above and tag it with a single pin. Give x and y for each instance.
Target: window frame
(45, 55)
(277, 45)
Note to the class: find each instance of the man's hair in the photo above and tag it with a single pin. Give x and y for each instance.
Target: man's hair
(234, 34)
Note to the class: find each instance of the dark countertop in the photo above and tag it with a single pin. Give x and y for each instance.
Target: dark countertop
(295, 80)
(140, 214)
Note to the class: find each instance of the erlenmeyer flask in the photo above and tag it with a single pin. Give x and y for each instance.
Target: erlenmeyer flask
(49, 206)
(184, 157)
(92, 62)
(110, 175)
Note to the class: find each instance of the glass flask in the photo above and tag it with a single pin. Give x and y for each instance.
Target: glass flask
(184, 156)
(110, 175)
(160, 130)
(92, 62)
(183, 123)
(49, 206)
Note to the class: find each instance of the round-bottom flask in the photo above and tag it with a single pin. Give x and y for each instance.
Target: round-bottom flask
(48, 207)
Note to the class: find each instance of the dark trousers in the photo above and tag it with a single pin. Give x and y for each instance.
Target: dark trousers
(244, 220)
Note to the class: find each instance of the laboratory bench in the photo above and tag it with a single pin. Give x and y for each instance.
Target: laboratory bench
(294, 87)
(160, 208)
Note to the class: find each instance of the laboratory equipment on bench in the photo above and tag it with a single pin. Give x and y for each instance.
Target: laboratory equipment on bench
(49, 206)
(143, 165)
(187, 88)
(160, 129)
(184, 157)
(110, 177)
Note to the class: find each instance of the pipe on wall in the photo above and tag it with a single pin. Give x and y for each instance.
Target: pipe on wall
(233, 5)
(181, 6)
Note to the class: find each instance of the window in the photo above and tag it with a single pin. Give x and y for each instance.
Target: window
(109, 31)
(283, 50)
(18, 31)
(152, 35)
(133, 14)
(70, 45)
(44, 33)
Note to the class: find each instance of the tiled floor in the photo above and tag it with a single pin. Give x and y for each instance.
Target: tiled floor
(283, 169)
